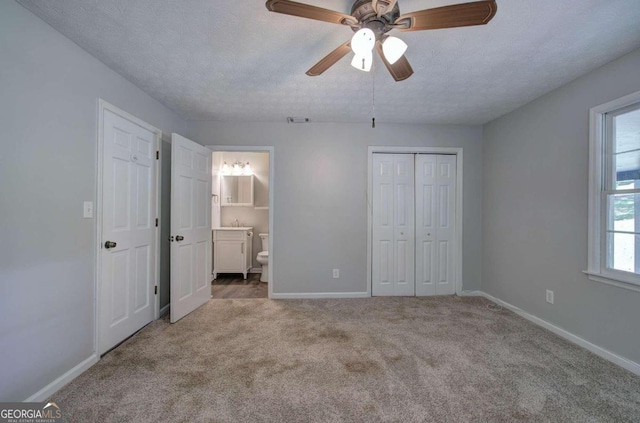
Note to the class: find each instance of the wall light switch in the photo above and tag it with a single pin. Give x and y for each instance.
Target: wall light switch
(336, 273)
(87, 210)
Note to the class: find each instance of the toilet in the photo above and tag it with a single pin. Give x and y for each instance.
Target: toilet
(263, 257)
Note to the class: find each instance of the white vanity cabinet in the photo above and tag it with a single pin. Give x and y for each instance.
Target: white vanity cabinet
(232, 250)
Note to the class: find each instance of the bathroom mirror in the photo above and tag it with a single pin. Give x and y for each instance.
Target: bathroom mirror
(236, 190)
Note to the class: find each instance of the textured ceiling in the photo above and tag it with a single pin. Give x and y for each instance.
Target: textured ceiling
(234, 60)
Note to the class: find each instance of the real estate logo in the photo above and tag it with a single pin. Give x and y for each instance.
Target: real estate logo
(30, 412)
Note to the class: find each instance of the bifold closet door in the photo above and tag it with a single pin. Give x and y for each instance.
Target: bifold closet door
(393, 248)
(435, 224)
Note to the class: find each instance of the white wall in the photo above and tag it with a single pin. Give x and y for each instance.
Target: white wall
(249, 216)
(535, 211)
(320, 194)
(49, 89)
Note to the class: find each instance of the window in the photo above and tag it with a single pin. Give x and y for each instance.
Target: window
(614, 200)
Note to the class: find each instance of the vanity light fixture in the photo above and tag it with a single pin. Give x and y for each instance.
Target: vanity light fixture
(237, 168)
(247, 169)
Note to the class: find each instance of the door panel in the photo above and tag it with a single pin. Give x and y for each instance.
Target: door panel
(203, 278)
(191, 221)
(128, 271)
(185, 254)
(385, 259)
(120, 281)
(141, 299)
(426, 216)
(393, 225)
(436, 174)
(404, 230)
(446, 228)
(427, 263)
(382, 247)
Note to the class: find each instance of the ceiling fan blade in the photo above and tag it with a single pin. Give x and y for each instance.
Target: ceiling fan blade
(330, 59)
(400, 70)
(466, 14)
(311, 12)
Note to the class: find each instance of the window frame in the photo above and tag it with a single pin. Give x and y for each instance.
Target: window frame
(598, 190)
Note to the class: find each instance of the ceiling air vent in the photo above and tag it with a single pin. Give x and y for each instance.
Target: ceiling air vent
(298, 120)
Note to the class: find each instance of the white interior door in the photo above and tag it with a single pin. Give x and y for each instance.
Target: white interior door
(435, 224)
(128, 245)
(393, 249)
(215, 189)
(191, 239)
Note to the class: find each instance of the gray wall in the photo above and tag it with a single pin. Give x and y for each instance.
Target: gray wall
(320, 194)
(535, 211)
(49, 89)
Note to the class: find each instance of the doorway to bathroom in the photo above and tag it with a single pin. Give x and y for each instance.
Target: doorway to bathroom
(242, 222)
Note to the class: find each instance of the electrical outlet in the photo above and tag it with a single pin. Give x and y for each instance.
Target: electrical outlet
(336, 273)
(549, 296)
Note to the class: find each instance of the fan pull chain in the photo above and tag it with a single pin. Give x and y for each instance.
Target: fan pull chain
(373, 96)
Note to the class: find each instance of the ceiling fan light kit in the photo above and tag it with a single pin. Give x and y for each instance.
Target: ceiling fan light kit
(362, 44)
(363, 61)
(378, 17)
(363, 41)
(393, 49)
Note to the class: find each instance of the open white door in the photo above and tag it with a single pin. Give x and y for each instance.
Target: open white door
(129, 209)
(190, 226)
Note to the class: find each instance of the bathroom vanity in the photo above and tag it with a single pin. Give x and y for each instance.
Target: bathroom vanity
(232, 250)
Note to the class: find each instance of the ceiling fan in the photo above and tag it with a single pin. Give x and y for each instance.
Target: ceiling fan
(372, 19)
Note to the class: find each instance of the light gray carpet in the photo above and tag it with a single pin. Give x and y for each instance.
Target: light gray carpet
(361, 360)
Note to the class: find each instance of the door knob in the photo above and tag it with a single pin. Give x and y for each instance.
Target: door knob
(179, 238)
(110, 244)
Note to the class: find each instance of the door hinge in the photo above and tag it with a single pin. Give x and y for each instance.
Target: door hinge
(158, 155)
(156, 222)
(155, 291)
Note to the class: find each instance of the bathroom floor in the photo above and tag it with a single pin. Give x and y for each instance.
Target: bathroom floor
(232, 285)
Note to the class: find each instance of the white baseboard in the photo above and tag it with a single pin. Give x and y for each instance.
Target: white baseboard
(255, 270)
(46, 392)
(164, 310)
(623, 362)
(302, 295)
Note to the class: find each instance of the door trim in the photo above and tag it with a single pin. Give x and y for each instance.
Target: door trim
(102, 107)
(260, 149)
(459, 206)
